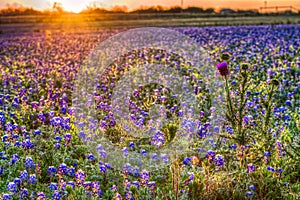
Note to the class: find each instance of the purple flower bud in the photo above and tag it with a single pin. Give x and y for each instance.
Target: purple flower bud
(223, 68)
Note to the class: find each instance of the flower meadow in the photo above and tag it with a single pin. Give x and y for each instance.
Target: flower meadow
(253, 152)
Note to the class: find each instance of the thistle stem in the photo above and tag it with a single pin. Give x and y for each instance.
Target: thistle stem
(229, 103)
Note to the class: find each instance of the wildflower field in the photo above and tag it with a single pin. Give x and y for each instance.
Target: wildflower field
(237, 138)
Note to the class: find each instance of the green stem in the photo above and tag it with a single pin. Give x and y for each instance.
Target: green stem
(240, 112)
(267, 119)
(229, 103)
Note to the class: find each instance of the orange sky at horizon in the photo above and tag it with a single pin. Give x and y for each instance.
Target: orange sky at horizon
(78, 5)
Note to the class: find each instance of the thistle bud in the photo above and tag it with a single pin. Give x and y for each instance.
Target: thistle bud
(223, 68)
(225, 56)
(245, 66)
(275, 82)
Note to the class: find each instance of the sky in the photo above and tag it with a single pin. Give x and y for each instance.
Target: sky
(78, 5)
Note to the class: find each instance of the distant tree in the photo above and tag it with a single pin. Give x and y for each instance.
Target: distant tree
(17, 9)
(119, 9)
(175, 9)
(193, 9)
(152, 9)
(209, 10)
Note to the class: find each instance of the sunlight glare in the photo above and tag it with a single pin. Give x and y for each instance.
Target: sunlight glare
(72, 5)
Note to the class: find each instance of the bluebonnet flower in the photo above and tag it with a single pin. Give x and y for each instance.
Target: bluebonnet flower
(114, 188)
(103, 125)
(56, 121)
(23, 175)
(4, 157)
(53, 186)
(250, 168)
(56, 195)
(62, 184)
(71, 171)
(40, 196)
(143, 152)
(32, 179)
(79, 177)
(118, 196)
(24, 193)
(67, 138)
(17, 181)
(81, 135)
(145, 176)
(135, 171)
(180, 113)
(249, 193)
(288, 103)
(6, 196)
(266, 153)
(229, 130)
(12, 187)
(41, 117)
(233, 146)
(210, 155)
(87, 185)
(62, 169)
(51, 171)
(269, 168)
(58, 138)
(91, 157)
(129, 196)
(27, 144)
(95, 187)
(251, 187)
(279, 170)
(29, 164)
(131, 145)
(63, 109)
(14, 158)
(57, 145)
(71, 184)
(151, 185)
(158, 139)
(286, 184)
(154, 156)
(17, 144)
(187, 161)
(37, 132)
(202, 131)
(136, 184)
(219, 160)
(107, 165)
(1, 170)
(5, 138)
(126, 168)
(2, 118)
(102, 168)
(127, 184)
(103, 154)
(125, 151)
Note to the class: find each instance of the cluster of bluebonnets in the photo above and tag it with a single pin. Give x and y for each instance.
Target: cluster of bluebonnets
(254, 155)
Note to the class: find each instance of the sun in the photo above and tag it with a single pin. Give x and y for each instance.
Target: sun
(72, 5)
